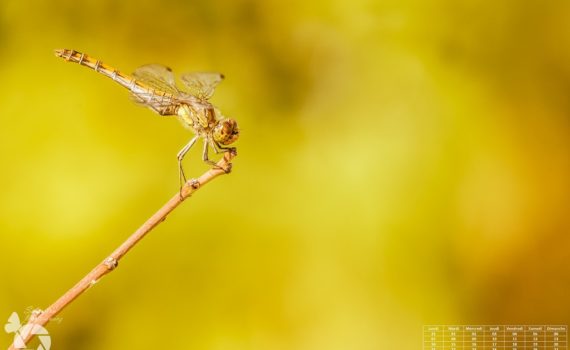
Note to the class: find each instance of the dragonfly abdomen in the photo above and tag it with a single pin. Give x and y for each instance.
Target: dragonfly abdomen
(144, 94)
(123, 79)
(95, 64)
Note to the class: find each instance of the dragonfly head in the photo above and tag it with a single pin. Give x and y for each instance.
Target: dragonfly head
(226, 131)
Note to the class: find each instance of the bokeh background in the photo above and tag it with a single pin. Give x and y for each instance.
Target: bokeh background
(401, 163)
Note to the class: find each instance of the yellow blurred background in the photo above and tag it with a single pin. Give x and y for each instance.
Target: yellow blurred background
(401, 163)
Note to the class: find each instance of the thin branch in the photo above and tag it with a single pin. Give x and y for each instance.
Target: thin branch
(110, 263)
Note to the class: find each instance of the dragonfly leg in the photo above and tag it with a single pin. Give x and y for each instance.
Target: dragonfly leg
(180, 157)
(205, 154)
(221, 149)
(212, 163)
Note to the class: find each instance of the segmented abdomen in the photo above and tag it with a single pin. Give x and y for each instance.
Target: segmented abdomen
(159, 101)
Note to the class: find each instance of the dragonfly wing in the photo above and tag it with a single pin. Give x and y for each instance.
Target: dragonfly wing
(202, 84)
(161, 104)
(162, 98)
(158, 77)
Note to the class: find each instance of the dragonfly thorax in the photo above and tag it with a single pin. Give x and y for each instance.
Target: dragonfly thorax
(203, 120)
(200, 118)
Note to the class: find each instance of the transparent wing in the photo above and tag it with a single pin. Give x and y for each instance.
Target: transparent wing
(158, 77)
(163, 104)
(203, 84)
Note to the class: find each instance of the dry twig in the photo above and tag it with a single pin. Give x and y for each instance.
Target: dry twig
(111, 262)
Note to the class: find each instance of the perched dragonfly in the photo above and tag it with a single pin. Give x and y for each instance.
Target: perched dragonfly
(154, 86)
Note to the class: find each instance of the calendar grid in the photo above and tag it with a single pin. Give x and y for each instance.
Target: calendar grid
(495, 337)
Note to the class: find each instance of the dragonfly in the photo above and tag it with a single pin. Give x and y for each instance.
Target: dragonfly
(154, 86)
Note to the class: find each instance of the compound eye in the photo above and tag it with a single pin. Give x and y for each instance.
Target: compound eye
(226, 132)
